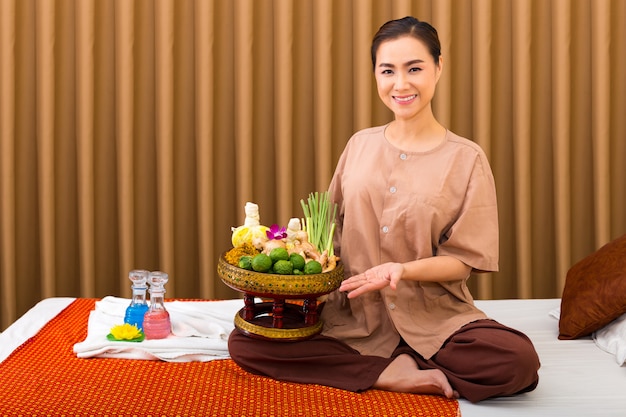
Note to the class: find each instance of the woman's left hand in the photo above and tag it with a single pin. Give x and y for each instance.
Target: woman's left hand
(373, 279)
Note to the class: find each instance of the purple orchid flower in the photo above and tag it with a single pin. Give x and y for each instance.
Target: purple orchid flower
(276, 232)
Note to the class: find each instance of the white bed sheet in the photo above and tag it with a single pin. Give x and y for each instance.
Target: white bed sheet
(576, 377)
(30, 323)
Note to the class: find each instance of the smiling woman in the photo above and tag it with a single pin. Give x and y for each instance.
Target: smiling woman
(404, 319)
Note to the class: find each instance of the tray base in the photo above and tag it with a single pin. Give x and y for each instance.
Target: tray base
(278, 320)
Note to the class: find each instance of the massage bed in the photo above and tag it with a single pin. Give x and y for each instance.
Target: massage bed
(50, 363)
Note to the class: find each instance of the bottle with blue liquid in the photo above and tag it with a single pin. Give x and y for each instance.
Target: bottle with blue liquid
(138, 307)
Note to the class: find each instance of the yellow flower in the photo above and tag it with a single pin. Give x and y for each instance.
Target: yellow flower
(125, 332)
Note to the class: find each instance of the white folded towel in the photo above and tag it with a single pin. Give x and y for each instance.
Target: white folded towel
(555, 313)
(200, 331)
(612, 339)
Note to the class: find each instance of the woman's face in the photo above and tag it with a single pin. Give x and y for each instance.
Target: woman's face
(406, 76)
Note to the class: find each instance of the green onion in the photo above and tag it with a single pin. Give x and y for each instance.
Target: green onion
(319, 221)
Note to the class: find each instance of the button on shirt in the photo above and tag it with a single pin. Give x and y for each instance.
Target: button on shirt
(411, 205)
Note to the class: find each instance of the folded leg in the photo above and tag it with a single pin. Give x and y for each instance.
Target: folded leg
(319, 360)
(485, 359)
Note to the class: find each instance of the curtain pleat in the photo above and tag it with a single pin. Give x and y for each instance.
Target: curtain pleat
(85, 103)
(242, 88)
(164, 118)
(600, 116)
(124, 134)
(283, 81)
(132, 133)
(45, 121)
(561, 79)
(442, 21)
(204, 103)
(364, 89)
(521, 34)
(322, 94)
(618, 128)
(8, 241)
(482, 16)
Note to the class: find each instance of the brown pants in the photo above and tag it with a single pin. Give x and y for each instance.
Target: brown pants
(483, 359)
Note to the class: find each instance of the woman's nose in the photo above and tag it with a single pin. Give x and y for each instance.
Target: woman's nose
(400, 81)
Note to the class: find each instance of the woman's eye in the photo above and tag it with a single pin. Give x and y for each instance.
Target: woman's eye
(386, 72)
(415, 69)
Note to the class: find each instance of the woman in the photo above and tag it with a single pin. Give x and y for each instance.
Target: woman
(409, 234)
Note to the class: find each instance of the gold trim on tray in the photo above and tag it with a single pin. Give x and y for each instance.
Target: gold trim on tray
(274, 333)
(270, 285)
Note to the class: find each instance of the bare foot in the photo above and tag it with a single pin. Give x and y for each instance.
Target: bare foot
(403, 375)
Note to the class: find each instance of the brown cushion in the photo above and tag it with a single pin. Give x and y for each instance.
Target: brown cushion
(595, 291)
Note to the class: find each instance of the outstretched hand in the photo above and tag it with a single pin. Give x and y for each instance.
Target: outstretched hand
(373, 279)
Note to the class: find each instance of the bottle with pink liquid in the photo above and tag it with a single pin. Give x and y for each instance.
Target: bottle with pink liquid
(156, 322)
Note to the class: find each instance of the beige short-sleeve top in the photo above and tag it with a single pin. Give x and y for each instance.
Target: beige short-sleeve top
(398, 206)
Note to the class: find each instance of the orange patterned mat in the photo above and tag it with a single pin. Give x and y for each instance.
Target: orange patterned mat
(44, 377)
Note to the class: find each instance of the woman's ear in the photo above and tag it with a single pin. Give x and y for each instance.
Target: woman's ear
(439, 67)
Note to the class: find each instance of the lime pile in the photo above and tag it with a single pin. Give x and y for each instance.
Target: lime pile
(279, 261)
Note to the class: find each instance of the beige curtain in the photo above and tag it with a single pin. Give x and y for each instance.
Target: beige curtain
(133, 132)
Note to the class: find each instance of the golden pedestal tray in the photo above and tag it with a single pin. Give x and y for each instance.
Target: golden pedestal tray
(279, 319)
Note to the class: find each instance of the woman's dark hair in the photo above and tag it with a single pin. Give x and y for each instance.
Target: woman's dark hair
(407, 26)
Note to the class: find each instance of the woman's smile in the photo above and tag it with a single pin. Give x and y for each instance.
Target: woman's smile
(405, 99)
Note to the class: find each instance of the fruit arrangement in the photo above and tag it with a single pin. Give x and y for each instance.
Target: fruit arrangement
(304, 247)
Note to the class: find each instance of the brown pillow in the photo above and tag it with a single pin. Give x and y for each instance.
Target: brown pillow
(595, 291)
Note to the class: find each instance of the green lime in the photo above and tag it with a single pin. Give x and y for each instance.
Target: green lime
(283, 267)
(297, 261)
(297, 272)
(245, 262)
(279, 254)
(261, 262)
(313, 267)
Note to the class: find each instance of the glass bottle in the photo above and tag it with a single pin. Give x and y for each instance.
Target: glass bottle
(156, 322)
(138, 304)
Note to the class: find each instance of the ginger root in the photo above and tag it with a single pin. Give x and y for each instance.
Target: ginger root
(297, 241)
